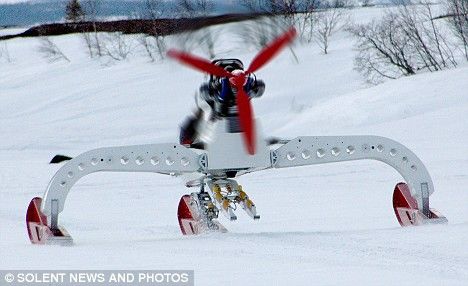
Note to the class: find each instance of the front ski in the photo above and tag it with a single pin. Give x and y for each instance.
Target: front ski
(407, 210)
(38, 230)
(197, 214)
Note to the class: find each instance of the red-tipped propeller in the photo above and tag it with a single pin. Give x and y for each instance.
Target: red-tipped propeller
(238, 80)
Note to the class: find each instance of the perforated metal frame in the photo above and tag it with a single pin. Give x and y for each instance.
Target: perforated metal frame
(226, 151)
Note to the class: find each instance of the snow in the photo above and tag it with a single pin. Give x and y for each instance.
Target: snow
(327, 225)
(12, 31)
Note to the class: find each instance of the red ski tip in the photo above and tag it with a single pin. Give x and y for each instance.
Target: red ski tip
(187, 222)
(38, 230)
(190, 219)
(407, 210)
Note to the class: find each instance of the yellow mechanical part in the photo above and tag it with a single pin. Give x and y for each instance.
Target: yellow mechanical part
(225, 204)
(249, 203)
(242, 195)
(217, 193)
(218, 197)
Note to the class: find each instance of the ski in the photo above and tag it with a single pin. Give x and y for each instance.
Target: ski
(38, 230)
(407, 210)
(197, 214)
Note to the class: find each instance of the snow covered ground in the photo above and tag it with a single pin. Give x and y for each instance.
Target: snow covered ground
(323, 225)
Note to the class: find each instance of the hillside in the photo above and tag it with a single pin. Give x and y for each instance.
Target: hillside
(327, 225)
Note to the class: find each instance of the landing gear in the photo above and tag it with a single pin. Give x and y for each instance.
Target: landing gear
(39, 231)
(228, 195)
(215, 167)
(198, 213)
(409, 213)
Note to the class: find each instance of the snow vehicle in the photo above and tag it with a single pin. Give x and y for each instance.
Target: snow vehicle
(237, 146)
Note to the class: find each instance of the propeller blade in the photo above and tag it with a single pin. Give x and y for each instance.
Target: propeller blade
(246, 118)
(198, 63)
(271, 50)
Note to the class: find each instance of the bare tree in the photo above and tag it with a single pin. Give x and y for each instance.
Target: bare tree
(284, 13)
(204, 38)
(326, 23)
(273, 7)
(457, 11)
(116, 45)
(194, 8)
(286, 9)
(150, 45)
(92, 40)
(259, 32)
(154, 43)
(51, 51)
(154, 9)
(306, 19)
(383, 51)
(4, 52)
(367, 3)
(208, 41)
(405, 41)
(74, 12)
(425, 35)
(338, 4)
(185, 8)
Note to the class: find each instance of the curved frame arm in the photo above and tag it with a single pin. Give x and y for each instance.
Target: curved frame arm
(310, 150)
(168, 159)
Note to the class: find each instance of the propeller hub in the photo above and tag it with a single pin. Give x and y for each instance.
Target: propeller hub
(239, 78)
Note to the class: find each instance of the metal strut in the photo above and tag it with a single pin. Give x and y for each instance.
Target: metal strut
(170, 159)
(312, 150)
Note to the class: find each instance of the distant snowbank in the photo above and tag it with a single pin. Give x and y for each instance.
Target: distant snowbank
(391, 101)
(12, 31)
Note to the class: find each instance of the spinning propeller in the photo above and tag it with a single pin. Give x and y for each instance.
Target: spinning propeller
(238, 79)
